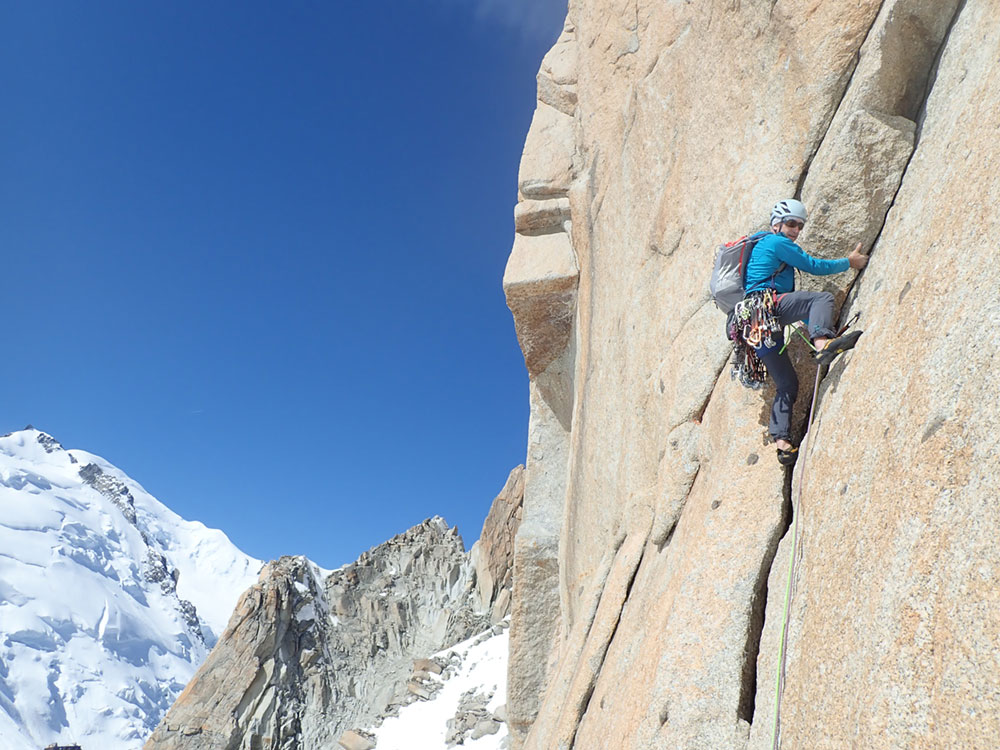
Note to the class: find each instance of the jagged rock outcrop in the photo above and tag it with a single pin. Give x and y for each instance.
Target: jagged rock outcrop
(472, 720)
(493, 555)
(652, 560)
(111, 487)
(307, 659)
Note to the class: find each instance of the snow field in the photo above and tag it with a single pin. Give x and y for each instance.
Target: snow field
(424, 725)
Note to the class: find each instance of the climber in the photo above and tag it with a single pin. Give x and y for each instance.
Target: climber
(771, 303)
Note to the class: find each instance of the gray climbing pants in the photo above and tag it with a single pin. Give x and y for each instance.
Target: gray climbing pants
(816, 310)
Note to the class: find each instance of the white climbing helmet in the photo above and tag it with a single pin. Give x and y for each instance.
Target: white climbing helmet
(788, 209)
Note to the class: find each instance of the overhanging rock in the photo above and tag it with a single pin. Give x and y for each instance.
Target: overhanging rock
(540, 284)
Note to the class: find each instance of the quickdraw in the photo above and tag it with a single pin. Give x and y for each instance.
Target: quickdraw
(854, 319)
(754, 324)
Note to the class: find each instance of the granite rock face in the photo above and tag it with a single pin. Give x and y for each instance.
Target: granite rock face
(493, 555)
(541, 286)
(652, 559)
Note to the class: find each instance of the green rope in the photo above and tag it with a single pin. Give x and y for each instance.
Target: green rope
(796, 502)
(788, 338)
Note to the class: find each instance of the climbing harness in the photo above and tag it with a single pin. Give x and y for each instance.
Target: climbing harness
(793, 557)
(753, 324)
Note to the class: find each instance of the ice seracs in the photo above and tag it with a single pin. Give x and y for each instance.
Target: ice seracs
(104, 615)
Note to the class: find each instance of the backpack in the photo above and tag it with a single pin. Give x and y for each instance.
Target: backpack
(730, 271)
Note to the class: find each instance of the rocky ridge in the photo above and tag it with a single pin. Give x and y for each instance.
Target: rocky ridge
(651, 564)
(310, 657)
(492, 554)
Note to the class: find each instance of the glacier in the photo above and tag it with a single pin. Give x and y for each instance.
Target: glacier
(109, 601)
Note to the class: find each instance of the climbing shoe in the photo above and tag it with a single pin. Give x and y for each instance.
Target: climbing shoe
(787, 458)
(828, 353)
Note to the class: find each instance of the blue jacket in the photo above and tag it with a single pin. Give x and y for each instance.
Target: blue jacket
(775, 249)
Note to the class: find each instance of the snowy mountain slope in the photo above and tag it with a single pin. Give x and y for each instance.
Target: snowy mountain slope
(465, 699)
(105, 608)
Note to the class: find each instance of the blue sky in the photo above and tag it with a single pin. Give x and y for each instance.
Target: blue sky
(253, 254)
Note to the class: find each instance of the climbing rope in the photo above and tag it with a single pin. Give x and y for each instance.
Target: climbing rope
(792, 330)
(794, 556)
(792, 560)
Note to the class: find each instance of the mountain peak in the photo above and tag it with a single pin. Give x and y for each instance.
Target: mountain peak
(104, 615)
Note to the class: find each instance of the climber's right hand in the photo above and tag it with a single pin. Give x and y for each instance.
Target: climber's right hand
(857, 259)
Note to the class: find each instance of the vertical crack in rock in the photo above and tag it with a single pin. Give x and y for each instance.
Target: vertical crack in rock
(932, 75)
(758, 605)
(857, 172)
(602, 576)
(583, 656)
(920, 117)
(833, 112)
(592, 686)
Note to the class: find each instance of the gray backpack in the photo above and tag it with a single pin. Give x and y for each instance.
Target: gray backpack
(729, 274)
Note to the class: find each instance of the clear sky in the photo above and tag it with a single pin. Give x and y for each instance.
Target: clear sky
(252, 254)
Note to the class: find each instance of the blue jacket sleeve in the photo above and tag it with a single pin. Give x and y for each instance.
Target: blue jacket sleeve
(788, 252)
